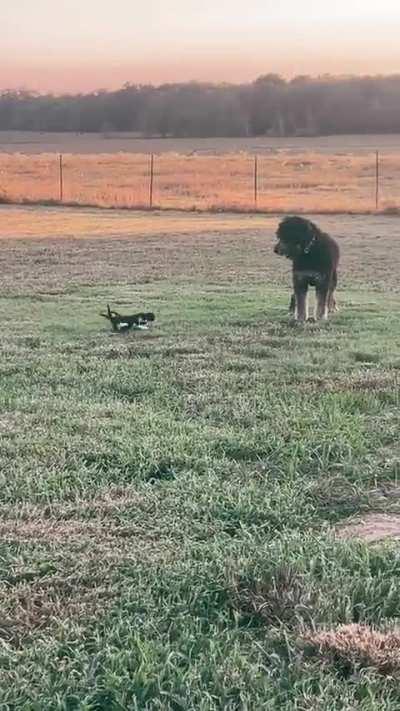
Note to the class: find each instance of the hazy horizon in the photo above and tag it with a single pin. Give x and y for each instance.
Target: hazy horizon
(92, 45)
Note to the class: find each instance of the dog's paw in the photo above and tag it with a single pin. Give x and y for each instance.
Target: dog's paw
(296, 322)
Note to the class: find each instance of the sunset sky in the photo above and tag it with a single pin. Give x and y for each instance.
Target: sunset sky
(79, 45)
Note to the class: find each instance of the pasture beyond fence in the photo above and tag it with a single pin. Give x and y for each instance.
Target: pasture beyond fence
(281, 181)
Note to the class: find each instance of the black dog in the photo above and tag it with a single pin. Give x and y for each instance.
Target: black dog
(315, 259)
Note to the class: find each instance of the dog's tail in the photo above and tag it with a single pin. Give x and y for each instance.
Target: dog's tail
(110, 314)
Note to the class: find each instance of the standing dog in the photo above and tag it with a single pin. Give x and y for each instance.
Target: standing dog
(315, 259)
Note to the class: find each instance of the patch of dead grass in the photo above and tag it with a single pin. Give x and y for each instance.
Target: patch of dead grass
(379, 382)
(72, 572)
(337, 493)
(355, 646)
(31, 607)
(55, 532)
(104, 503)
(282, 598)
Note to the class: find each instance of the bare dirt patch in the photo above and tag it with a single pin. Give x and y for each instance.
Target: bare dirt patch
(371, 528)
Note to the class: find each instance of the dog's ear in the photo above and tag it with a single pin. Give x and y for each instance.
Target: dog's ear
(296, 228)
(311, 228)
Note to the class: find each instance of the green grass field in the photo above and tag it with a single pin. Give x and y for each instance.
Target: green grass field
(169, 498)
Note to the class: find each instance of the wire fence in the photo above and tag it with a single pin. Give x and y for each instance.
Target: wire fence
(280, 182)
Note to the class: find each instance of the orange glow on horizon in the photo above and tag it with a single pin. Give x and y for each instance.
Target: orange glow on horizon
(59, 77)
(82, 46)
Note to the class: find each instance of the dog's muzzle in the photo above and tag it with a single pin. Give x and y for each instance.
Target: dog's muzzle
(281, 249)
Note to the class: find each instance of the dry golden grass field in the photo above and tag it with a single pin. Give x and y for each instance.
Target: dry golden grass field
(305, 176)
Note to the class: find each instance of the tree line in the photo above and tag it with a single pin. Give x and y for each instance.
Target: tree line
(268, 106)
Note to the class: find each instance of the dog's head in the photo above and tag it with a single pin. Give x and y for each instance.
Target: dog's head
(295, 236)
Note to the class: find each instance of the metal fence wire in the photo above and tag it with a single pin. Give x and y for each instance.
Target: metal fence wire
(277, 182)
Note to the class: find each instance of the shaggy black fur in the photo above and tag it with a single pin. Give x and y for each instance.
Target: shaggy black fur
(315, 258)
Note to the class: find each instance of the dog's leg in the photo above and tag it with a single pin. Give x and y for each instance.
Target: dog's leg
(332, 305)
(300, 288)
(301, 312)
(292, 304)
(322, 303)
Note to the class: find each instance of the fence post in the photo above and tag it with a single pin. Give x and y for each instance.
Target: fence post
(255, 181)
(151, 181)
(376, 180)
(61, 178)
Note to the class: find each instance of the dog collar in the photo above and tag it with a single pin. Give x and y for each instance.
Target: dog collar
(310, 244)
